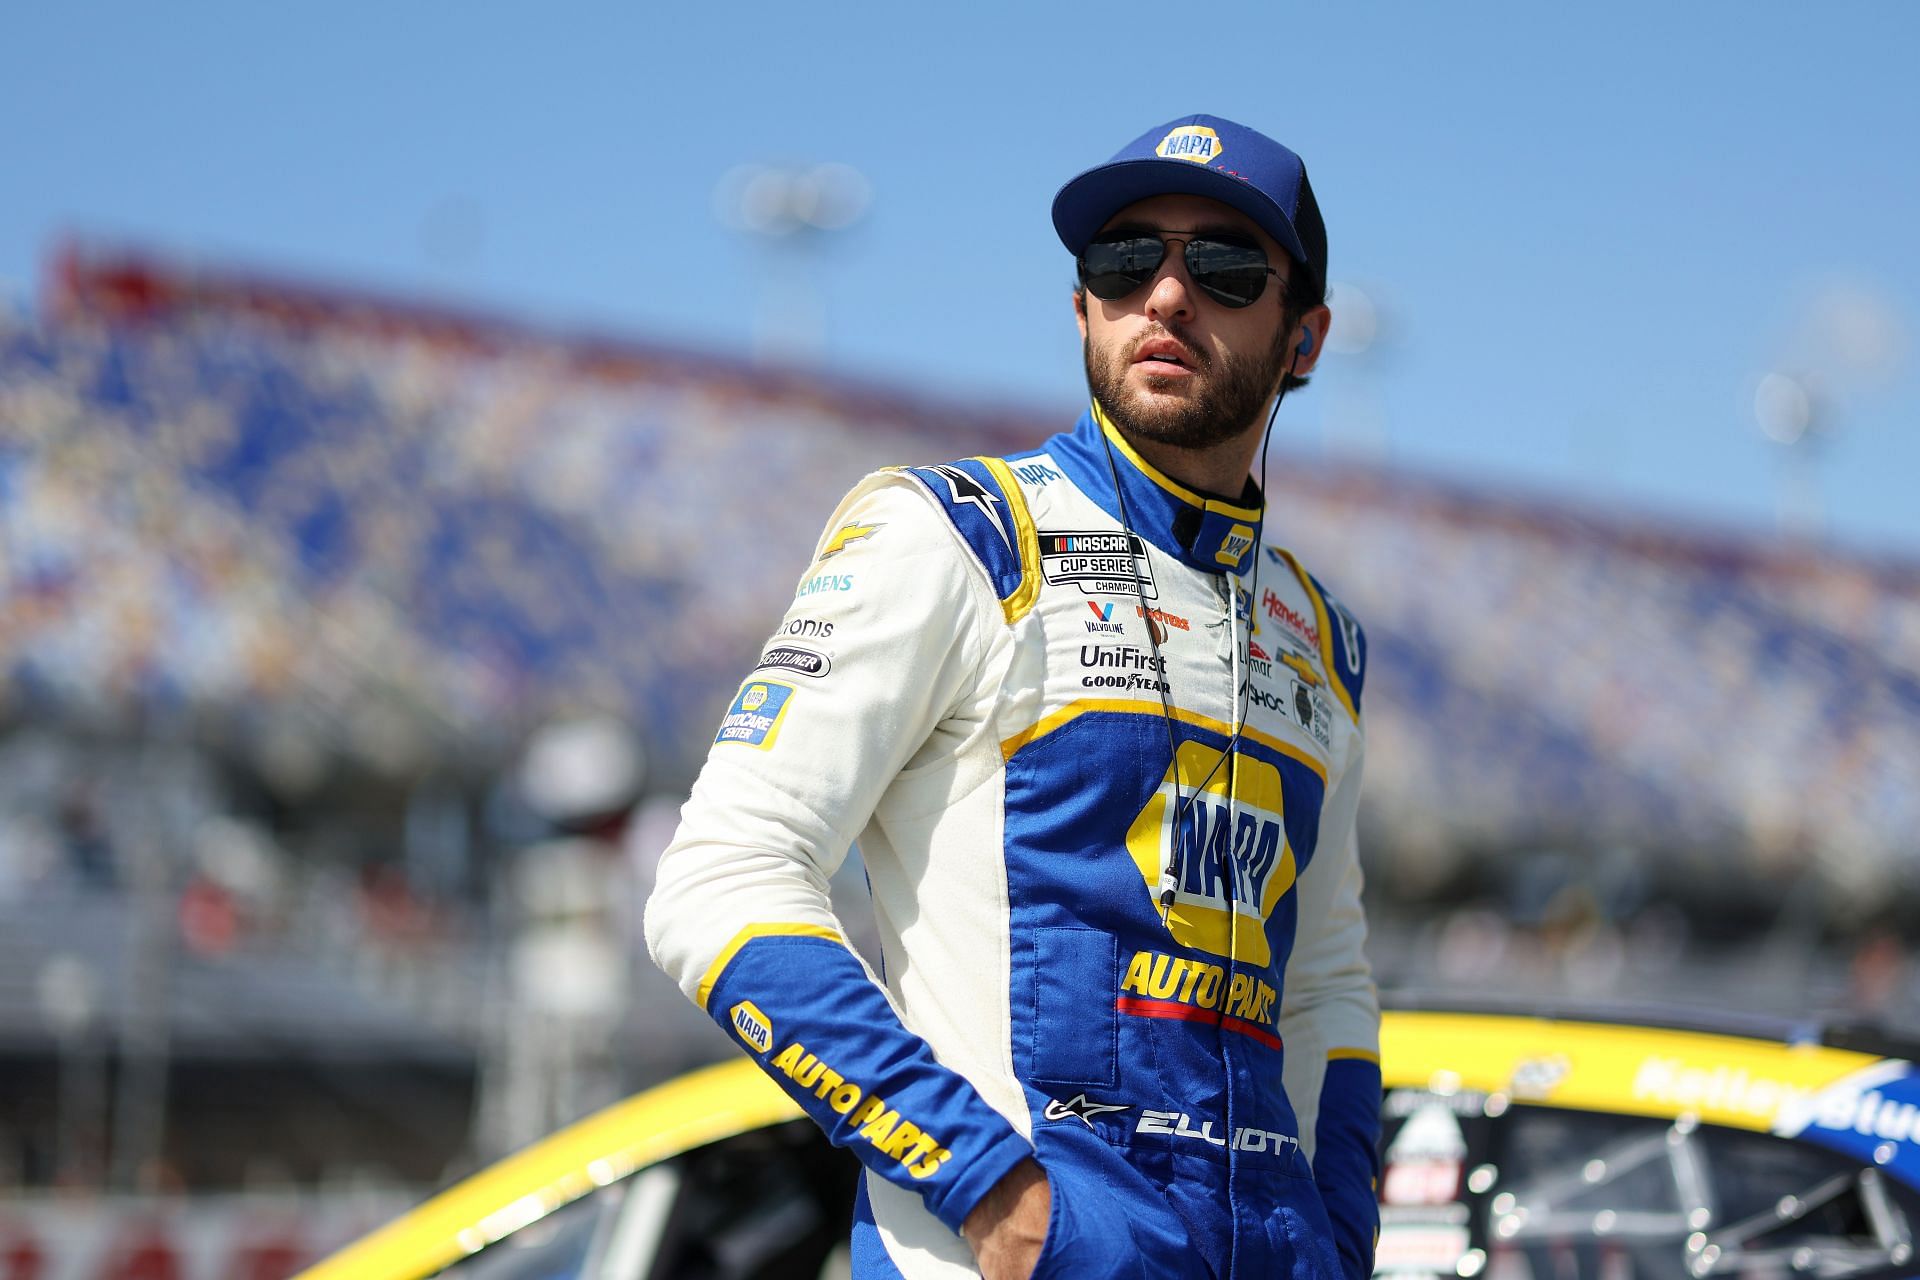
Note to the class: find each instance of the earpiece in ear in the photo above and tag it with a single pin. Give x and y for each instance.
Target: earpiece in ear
(1306, 342)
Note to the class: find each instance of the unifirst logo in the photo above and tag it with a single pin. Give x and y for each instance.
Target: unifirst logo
(1195, 142)
(1236, 863)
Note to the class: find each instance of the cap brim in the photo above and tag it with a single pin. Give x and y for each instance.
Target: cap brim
(1085, 204)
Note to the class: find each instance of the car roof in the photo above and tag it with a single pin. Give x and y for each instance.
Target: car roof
(689, 1111)
(1608, 1060)
(1836, 1030)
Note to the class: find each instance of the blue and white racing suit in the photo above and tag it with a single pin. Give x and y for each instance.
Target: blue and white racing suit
(967, 685)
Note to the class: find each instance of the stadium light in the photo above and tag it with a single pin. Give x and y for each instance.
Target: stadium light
(798, 210)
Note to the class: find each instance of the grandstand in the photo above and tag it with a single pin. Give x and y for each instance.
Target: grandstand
(350, 552)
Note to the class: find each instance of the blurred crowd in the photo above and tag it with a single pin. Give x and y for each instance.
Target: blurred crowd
(390, 649)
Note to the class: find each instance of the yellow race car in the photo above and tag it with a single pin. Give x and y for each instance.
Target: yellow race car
(1515, 1147)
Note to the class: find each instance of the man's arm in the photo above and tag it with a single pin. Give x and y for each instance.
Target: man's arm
(886, 635)
(1330, 1024)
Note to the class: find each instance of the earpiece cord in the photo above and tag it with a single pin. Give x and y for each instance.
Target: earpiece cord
(1168, 875)
(1231, 879)
(1243, 684)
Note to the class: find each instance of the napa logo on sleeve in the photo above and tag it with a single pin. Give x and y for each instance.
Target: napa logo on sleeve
(1236, 863)
(1195, 142)
(755, 1027)
(754, 718)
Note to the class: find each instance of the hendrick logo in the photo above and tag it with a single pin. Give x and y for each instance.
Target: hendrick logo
(795, 660)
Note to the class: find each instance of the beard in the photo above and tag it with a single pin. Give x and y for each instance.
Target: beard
(1233, 392)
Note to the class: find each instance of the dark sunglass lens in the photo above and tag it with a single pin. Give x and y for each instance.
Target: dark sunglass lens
(1112, 269)
(1232, 274)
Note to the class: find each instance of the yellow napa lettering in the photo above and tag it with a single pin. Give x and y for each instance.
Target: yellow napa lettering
(1166, 976)
(1195, 142)
(845, 1097)
(1208, 994)
(897, 1142)
(1237, 993)
(931, 1165)
(878, 1129)
(872, 1107)
(1253, 808)
(829, 1081)
(1138, 970)
(808, 1071)
(790, 1057)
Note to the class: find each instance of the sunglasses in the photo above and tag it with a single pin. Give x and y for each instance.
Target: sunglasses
(1231, 272)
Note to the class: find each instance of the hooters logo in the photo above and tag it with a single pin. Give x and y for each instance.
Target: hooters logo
(1236, 863)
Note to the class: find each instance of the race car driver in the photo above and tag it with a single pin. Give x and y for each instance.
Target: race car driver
(1099, 742)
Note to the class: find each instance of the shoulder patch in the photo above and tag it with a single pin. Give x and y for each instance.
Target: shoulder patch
(1343, 645)
(1346, 644)
(983, 501)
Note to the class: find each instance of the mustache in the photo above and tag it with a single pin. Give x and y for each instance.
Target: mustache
(1196, 355)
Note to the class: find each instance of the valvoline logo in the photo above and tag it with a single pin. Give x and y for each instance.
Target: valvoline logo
(1195, 142)
(1236, 863)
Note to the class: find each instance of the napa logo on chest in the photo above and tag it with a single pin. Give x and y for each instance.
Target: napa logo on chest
(1195, 142)
(1235, 864)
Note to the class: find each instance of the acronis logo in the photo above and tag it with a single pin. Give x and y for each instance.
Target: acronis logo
(1236, 863)
(1195, 142)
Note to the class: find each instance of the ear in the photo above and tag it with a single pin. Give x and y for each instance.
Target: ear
(1080, 312)
(1316, 322)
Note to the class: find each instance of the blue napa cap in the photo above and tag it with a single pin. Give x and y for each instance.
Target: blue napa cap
(1202, 156)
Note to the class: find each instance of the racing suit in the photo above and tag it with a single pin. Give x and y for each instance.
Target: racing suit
(1100, 749)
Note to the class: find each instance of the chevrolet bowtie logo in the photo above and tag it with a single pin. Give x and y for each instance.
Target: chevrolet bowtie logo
(1079, 1108)
(848, 533)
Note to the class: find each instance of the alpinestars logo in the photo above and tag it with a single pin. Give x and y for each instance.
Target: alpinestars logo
(1079, 1109)
(967, 491)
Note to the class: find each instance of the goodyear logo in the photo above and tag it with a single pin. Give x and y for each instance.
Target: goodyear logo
(1193, 142)
(754, 718)
(755, 1027)
(919, 1152)
(1236, 863)
(1237, 543)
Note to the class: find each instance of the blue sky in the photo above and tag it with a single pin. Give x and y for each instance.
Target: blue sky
(1588, 231)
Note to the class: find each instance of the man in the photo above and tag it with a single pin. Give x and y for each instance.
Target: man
(1100, 747)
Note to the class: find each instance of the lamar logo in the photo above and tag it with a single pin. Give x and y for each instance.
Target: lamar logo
(1236, 863)
(754, 1026)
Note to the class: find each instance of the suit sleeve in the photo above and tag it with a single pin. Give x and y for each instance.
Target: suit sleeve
(1330, 1023)
(887, 633)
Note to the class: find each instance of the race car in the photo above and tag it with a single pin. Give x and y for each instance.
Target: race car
(1516, 1146)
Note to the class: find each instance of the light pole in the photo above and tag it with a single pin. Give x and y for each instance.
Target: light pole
(794, 213)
